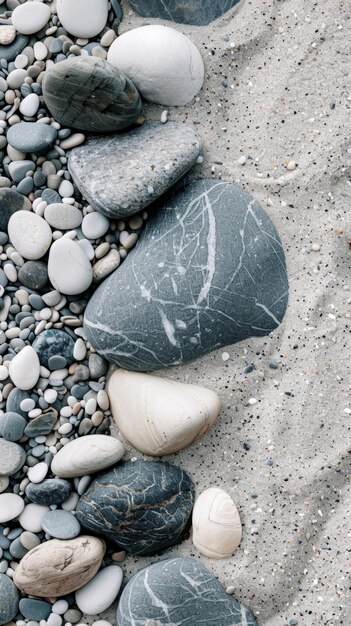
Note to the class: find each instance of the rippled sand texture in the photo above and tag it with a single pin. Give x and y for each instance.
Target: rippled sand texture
(284, 460)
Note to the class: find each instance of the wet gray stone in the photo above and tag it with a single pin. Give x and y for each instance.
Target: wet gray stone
(10, 52)
(31, 137)
(154, 504)
(198, 12)
(33, 274)
(12, 426)
(209, 271)
(14, 400)
(41, 425)
(61, 524)
(50, 491)
(90, 94)
(33, 609)
(121, 175)
(10, 202)
(9, 599)
(12, 457)
(179, 591)
(52, 342)
(18, 169)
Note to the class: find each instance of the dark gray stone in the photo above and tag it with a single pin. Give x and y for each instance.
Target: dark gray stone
(10, 202)
(41, 425)
(198, 12)
(51, 196)
(61, 524)
(14, 400)
(57, 362)
(52, 342)
(179, 591)
(12, 426)
(50, 491)
(9, 599)
(31, 137)
(10, 52)
(17, 550)
(121, 175)
(90, 94)
(209, 271)
(98, 366)
(19, 169)
(34, 609)
(33, 274)
(143, 506)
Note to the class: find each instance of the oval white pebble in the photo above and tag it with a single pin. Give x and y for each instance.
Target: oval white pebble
(100, 592)
(95, 225)
(32, 516)
(25, 368)
(69, 269)
(83, 18)
(79, 350)
(87, 455)
(37, 473)
(11, 506)
(30, 105)
(30, 17)
(60, 607)
(29, 234)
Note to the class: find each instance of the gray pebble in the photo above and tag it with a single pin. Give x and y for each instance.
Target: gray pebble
(61, 524)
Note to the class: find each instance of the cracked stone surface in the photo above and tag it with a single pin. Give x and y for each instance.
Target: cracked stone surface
(179, 591)
(209, 271)
(143, 506)
(198, 12)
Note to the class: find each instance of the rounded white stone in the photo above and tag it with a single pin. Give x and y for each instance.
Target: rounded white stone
(79, 350)
(50, 395)
(100, 592)
(11, 506)
(69, 269)
(63, 216)
(29, 234)
(160, 416)
(37, 473)
(30, 105)
(25, 368)
(32, 517)
(95, 225)
(4, 483)
(83, 18)
(40, 51)
(60, 607)
(164, 65)
(216, 524)
(66, 189)
(16, 78)
(87, 455)
(30, 17)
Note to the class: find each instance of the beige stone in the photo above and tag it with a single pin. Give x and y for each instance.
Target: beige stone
(216, 524)
(7, 34)
(87, 455)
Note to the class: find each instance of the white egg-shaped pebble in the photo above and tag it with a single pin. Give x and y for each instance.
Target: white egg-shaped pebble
(29, 234)
(100, 592)
(69, 269)
(29, 17)
(83, 18)
(24, 368)
(87, 455)
(11, 506)
(216, 523)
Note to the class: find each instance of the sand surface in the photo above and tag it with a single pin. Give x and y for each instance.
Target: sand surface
(285, 460)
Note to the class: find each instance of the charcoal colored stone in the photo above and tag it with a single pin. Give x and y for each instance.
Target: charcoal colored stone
(143, 506)
(33, 609)
(52, 342)
(31, 137)
(10, 202)
(33, 274)
(10, 52)
(12, 426)
(197, 12)
(9, 599)
(14, 400)
(41, 425)
(50, 491)
(209, 271)
(89, 94)
(179, 591)
(121, 175)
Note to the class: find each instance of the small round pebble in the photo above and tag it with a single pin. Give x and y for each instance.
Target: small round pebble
(95, 225)
(61, 524)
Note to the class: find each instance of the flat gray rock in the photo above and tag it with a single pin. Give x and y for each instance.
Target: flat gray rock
(179, 591)
(9, 599)
(208, 271)
(121, 175)
(198, 12)
(31, 137)
(90, 94)
(61, 524)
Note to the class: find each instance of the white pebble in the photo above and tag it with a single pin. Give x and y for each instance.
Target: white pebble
(30, 17)
(30, 105)
(253, 401)
(54, 620)
(241, 160)
(95, 225)
(50, 396)
(31, 518)
(37, 473)
(291, 166)
(60, 607)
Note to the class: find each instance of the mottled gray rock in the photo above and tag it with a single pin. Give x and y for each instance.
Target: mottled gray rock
(179, 591)
(12, 426)
(88, 93)
(143, 506)
(198, 12)
(208, 271)
(61, 524)
(122, 174)
(31, 137)
(33, 274)
(50, 491)
(10, 202)
(52, 342)
(12, 457)
(9, 599)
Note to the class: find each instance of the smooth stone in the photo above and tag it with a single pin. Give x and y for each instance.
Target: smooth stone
(68, 267)
(9, 599)
(121, 175)
(50, 491)
(90, 94)
(216, 524)
(208, 271)
(179, 591)
(164, 65)
(87, 455)
(34, 609)
(9, 53)
(12, 426)
(19, 169)
(51, 342)
(25, 368)
(83, 18)
(37, 473)
(11, 506)
(95, 225)
(29, 540)
(7, 34)
(57, 362)
(12, 457)
(154, 504)
(32, 517)
(30, 17)
(197, 12)
(30, 105)
(14, 401)
(57, 567)
(33, 274)
(31, 137)
(100, 592)
(63, 216)
(41, 425)
(61, 524)
(160, 416)
(29, 234)
(10, 202)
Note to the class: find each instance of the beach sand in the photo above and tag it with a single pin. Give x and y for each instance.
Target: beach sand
(285, 459)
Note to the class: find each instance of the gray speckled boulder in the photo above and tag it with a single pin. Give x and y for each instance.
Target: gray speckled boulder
(121, 175)
(143, 506)
(198, 12)
(179, 591)
(88, 93)
(9, 599)
(208, 271)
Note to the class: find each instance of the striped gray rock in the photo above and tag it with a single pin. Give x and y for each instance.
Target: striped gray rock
(143, 506)
(89, 94)
(179, 591)
(198, 12)
(209, 271)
